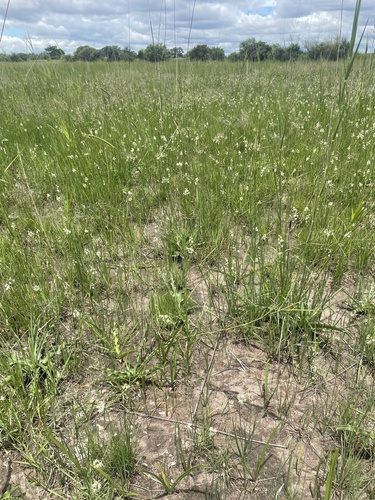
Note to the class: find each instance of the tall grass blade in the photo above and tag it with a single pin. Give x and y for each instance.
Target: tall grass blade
(332, 468)
(357, 11)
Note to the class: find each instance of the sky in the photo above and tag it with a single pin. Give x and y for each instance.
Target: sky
(32, 25)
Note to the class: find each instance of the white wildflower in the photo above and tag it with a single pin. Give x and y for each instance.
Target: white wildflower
(96, 486)
(241, 399)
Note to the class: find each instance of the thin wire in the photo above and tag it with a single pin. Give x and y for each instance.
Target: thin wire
(149, 15)
(165, 22)
(161, 13)
(174, 23)
(129, 24)
(5, 18)
(191, 25)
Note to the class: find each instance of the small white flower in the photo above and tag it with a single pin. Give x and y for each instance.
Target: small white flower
(186, 192)
(8, 285)
(328, 232)
(164, 318)
(218, 138)
(127, 193)
(241, 399)
(101, 406)
(96, 486)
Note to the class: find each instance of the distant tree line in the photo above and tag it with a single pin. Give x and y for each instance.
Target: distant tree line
(249, 50)
(253, 50)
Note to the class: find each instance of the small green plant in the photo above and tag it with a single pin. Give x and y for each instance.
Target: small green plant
(171, 305)
(245, 450)
(130, 374)
(183, 457)
(101, 466)
(362, 308)
(168, 485)
(180, 243)
(12, 494)
(114, 340)
(363, 303)
(116, 457)
(30, 378)
(281, 306)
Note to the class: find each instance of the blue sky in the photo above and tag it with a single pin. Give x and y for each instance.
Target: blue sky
(182, 23)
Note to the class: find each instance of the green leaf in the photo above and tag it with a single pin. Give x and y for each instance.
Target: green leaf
(331, 474)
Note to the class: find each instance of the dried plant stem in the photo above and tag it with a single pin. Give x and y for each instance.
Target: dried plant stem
(206, 378)
(217, 431)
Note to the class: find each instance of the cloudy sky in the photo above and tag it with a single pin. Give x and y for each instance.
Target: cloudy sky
(35, 24)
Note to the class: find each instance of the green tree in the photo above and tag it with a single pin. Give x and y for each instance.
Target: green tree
(86, 53)
(234, 57)
(294, 51)
(54, 52)
(328, 49)
(343, 48)
(176, 52)
(199, 53)
(217, 54)
(156, 53)
(128, 54)
(18, 57)
(44, 56)
(253, 50)
(111, 53)
(278, 52)
(290, 53)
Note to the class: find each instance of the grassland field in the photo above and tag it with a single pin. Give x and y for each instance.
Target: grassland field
(187, 295)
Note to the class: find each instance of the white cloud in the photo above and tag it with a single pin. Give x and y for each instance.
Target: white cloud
(70, 23)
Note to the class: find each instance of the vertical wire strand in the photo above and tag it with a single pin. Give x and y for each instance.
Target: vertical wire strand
(191, 25)
(5, 18)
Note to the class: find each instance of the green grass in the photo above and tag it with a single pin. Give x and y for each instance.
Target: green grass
(187, 265)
